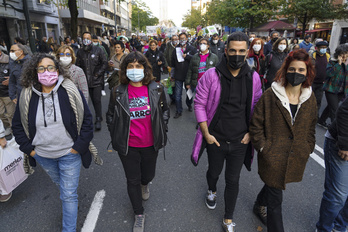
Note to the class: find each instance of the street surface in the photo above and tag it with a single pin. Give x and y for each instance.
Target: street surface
(177, 192)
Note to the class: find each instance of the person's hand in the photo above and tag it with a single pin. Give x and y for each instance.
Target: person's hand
(343, 155)
(211, 139)
(184, 55)
(188, 86)
(246, 139)
(15, 101)
(111, 64)
(340, 59)
(3, 142)
(5, 82)
(73, 151)
(159, 63)
(32, 153)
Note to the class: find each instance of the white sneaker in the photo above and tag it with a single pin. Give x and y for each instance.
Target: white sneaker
(228, 227)
(210, 199)
(139, 223)
(103, 93)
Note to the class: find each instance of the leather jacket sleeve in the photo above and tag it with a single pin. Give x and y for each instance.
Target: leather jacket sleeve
(103, 61)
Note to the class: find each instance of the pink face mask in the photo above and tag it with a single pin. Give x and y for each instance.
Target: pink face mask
(48, 78)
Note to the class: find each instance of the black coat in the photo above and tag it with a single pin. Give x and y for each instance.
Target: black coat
(181, 68)
(339, 128)
(218, 49)
(273, 62)
(93, 62)
(154, 57)
(118, 117)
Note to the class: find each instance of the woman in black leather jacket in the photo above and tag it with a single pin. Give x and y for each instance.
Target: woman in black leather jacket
(137, 120)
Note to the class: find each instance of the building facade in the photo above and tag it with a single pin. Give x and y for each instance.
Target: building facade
(43, 16)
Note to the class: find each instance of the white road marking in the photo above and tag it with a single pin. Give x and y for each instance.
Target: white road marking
(93, 214)
(318, 159)
(319, 149)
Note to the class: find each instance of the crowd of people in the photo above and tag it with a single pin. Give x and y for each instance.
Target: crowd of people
(248, 93)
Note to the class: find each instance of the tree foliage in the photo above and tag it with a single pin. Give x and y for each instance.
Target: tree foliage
(306, 10)
(241, 13)
(193, 18)
(146, 17)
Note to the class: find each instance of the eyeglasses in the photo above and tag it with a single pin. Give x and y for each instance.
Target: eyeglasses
(65, 54)
(50, 68)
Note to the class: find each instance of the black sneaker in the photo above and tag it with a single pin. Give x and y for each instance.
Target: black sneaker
(190, 109)
(210, 199)
(177, 115)
(260, 212)
(323, 125)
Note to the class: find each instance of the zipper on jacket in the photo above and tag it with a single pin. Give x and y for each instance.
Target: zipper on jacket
(129, 124)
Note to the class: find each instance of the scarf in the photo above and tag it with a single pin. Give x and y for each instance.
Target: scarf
(76, 103)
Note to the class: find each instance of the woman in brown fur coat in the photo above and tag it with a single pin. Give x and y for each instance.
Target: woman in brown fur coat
(282, 130)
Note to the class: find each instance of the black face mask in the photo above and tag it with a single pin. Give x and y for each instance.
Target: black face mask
(236, 61)
(274, 39)
(295, 78)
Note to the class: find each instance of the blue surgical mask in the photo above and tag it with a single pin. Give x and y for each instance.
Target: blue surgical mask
(323, 50)
(135, 75)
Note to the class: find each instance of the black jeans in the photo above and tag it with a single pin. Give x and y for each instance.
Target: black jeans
(95, 94)
(318, 92)
(139, 166)
(272, 198)
(234, 154)
(332, 104)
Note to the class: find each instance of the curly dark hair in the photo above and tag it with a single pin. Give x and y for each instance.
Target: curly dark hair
(340, 50)
(29, 73)
(141, 59)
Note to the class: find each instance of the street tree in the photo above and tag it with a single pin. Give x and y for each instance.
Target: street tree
(142, 16)
(320, 10)
(193, 18)
(241, 13)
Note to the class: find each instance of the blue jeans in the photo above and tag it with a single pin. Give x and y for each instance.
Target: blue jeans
(334, 206)
(65, 172)
(178, 95)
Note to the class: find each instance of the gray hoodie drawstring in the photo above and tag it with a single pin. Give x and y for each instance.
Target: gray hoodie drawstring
(43, 109)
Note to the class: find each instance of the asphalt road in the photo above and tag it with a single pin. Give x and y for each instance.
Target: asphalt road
(177, 193)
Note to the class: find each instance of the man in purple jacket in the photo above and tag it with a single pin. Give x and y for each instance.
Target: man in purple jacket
(225, 99)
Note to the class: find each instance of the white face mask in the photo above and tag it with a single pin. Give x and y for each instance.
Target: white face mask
(257, 47)
(13, 56)
(65, 61)
(251, 39)
(215, 41)
(203, 47)
(282, 47)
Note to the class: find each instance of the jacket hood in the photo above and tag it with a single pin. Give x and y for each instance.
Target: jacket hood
(4, 59)
(279, 91)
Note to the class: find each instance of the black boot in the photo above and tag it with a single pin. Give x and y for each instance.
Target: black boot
(98, 124)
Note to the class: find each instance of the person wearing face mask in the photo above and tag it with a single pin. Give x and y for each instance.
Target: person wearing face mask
(282, 130)
(105, 40)
(256, 58)
(336, 83)
(274, 61)
(199, 64)
(53, 126)
(252, 36)
(174, 41)
(18, 56)
(216, 46)
(156, 59)
(96, 42)
(181, 66)
(92, 60)
(269, 45)
(224, 102)
(137, 119)
(67, 58)
(7, 107)
(43, 46)
(320, 60)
